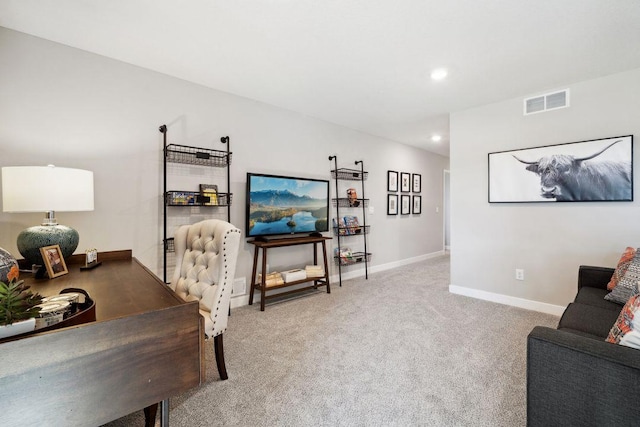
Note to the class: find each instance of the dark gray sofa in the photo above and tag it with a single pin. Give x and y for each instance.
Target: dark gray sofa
(575, 377)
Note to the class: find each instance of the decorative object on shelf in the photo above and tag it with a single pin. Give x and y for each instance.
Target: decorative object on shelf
(417, 205)
(338, 227)
(348, 225)
(272, 279)
(53, 261)
(352, 196)
(8, 266)
(416, 180)
(91, 260)
(209, 193)
(46, 189)
(293, 275)
(18, 307)
(392, 181)
(351, 224)
(345, 256)
(405, 182)
(405, 204)
(594, 170)
(314, 271)
(392, 204)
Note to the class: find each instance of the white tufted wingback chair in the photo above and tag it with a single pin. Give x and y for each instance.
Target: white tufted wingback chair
(206, 254)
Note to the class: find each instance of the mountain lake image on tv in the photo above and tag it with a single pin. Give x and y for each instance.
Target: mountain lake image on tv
(286, 205)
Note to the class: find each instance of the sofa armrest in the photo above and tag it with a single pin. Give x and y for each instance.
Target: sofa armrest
(594, 277)
(574, 380)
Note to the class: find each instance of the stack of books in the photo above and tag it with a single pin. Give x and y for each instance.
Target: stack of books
(347, 225)
(314, 271)
(272, 279)
(351, 222)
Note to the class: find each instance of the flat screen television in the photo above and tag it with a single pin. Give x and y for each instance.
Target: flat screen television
(278, 205)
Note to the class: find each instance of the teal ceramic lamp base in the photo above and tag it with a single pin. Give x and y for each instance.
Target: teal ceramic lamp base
(33, 238)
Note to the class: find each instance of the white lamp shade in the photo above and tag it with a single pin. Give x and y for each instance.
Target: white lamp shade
(46, 188)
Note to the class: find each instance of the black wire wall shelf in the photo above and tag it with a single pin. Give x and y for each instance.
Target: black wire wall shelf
(351, 231)
(169, 245)
(349, 174)
(195, 198)
(352, 258)
(197, 156)
(349, 203)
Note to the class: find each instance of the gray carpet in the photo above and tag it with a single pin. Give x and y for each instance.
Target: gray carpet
(395, 350)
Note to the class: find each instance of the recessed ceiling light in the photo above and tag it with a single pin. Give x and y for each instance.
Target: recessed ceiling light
(439, 74)
(436, 138)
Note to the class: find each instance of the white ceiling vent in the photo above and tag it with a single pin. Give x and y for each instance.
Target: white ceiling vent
(546, 102)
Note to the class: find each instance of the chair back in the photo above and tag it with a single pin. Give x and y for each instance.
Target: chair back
(206, 256)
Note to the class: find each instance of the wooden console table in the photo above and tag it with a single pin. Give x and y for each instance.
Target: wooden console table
(144, 347)
(279, 243)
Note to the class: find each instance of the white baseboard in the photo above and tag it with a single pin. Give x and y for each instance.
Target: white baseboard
(353, 273)
(241, 300)
(542, 307)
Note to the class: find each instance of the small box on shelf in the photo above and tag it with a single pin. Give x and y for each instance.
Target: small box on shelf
(294, 275)
(314, 271)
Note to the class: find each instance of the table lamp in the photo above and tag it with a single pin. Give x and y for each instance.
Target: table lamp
(46, 189)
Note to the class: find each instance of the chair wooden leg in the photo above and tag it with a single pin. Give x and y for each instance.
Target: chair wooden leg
(217, 345)
(150, 415)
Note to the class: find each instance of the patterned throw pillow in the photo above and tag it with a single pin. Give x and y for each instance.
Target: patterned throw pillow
(626, 330)
(623, 264)
(628, 286)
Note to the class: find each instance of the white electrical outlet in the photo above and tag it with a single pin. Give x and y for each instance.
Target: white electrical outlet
(519, 274)
(371, 210)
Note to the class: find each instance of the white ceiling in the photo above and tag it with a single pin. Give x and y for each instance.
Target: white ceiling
(363, 64)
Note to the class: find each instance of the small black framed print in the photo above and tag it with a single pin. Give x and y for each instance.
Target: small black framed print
(416, 180)
(405, 204)
(405, 182)
(392, 204)
(417, 205)
(392, 181)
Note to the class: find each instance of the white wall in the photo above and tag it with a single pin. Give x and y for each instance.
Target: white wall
(548, 241)
(71, 108)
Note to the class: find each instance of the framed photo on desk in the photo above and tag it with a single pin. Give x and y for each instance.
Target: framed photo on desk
(53, 261)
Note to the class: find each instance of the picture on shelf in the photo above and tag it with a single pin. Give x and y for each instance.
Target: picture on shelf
(417, 205)
(352, 196)
(392, 181)
(405, 208)
(209, 193)
(392, 204)
(417, 182)
(405, 182)
(53, 261)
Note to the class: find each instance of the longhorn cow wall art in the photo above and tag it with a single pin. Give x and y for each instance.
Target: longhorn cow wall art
(586, 171)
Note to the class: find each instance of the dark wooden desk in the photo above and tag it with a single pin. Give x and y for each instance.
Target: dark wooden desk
(144, 347)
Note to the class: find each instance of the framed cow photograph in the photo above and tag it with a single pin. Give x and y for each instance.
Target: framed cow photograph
(597, 170)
